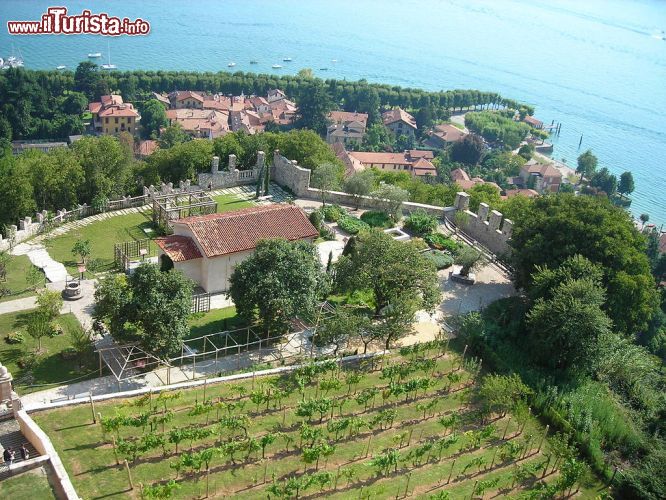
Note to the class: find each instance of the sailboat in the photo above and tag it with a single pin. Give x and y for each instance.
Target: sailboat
(109, 66)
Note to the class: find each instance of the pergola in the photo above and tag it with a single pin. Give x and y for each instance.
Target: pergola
(171, 207)
(127, 361)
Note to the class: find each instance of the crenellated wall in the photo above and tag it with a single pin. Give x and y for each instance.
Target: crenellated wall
(486, 226)
(216, 179)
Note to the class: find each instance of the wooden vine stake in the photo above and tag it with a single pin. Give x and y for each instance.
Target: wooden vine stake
(92, 408)
(129, 475)
(451, 471)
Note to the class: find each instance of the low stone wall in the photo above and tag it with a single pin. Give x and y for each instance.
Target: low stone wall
(59, 478)
(216, 179)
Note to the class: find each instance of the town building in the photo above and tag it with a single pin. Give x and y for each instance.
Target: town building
(145, 148)
(346, 127)
(112, 116)
(42, 145)
(208, 248)
(200, 123)
(187, 99)
(533, 122)
(443, 135)
(543, 177)
(461, 177)
(416, 162)
(400, 122)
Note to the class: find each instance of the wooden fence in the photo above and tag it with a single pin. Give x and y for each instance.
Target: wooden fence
(127, 251)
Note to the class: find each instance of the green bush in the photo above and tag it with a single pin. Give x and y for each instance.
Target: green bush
(14, 338)
(440, 259)
(420, 223)
(441, 242)
(375, 218)
(351, 225)
(332, 213)
(316, 219)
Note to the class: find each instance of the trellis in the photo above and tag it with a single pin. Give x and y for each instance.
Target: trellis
(127, 361)
(126, 252)
(168, 208)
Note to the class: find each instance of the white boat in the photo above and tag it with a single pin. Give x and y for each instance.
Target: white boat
(334, 61)
(12, 61)
(286, 59)
(94, 55)
(109, 66)
(61, 67)
(276, 66)
(231, 64)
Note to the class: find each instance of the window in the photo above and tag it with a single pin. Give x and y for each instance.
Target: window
(106, 120)
(116, 119)
(116, 130)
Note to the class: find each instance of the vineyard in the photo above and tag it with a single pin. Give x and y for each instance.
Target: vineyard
(420, 423)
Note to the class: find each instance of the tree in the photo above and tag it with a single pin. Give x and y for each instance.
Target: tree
(305, 73)
(626, 185)
(49, 304)
(604, 181)
(75, 103)
(390, 269)
(359, 184)
(172, 135)
(337, 329)
(88, 80)
(314, 105)
(150, 307)
(468, 258)
(469, 151)
(81, 342)
(395, 320)
(644, 219)
(562, 226)
(501, 393)
(326, 178)
(565, 330)
(279, 281)
(82, 248)
(587, 164)
(526, 151)
(391, 199)
(39, 326)
(153, 118)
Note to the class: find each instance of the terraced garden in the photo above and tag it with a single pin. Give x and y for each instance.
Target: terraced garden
(410, 424)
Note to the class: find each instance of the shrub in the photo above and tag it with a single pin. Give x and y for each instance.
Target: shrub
(332, 213)
(419, 243)
(27, 361)
(15, 338)
(375, 218)
(316, 219)
(351, 225)
(440, 259)
(441, 242)
(56, 330)
(326, 233)
(420, 223)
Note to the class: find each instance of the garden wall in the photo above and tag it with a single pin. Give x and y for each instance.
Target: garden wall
(59, 478)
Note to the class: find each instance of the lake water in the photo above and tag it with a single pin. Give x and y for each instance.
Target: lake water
(596, 66)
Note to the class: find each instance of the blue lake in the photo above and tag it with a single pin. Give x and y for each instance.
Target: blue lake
(598, 66)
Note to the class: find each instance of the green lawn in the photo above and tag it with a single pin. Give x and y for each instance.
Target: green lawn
(230, 202)
(102, 235)
(31, 485)
(16, 278)
(214, 321)
(49, 367)
(88, 453)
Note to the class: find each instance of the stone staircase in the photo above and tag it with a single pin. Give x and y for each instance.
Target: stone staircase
(11, 437)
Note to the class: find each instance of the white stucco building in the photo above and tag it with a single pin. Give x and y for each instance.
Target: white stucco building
(208, 248)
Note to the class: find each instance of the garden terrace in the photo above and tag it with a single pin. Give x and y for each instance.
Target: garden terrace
(370, 427)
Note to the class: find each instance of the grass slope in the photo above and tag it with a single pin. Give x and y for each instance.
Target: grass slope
(230, 202)
(15, 281)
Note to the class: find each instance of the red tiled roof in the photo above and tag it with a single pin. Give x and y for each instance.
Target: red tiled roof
(94, 107)
(179, 248)
(347, 117)
(187, 94)
(398, 114)
(147, 147)
(420, 153)
(530, 193)
(459, 175)
(231, 232)
(122, 110)
(530, 120)
(424, 167)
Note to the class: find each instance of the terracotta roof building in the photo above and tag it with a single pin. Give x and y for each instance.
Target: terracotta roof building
(207, 248)
(400, 122)
(415, 162)
(444, 134)
(544, 176)
(200, 123)
(346, 127)
(111, 116)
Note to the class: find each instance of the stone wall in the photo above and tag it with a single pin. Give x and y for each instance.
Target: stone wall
(37, 437)
(216, 179)
(486, 226)
(287, 173)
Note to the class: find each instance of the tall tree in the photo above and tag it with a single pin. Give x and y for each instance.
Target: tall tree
(279, 281)
(326, 178)
(562, 226)
(314, 105)
(469, 151)
(359, 184)
(150, 307)
(87, 80)
(391, 198)
(626, 185)
(587, 164)
(390, 269)
(153, 118)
